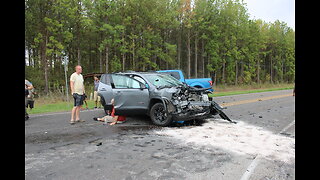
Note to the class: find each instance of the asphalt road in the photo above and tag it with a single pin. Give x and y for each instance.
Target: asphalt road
(260, 146)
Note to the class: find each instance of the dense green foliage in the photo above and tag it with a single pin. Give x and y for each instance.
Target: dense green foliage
(204, 38)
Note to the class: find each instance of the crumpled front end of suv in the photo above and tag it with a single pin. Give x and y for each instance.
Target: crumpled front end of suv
(188, 103)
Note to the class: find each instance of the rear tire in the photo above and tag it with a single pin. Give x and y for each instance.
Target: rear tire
(159, 116)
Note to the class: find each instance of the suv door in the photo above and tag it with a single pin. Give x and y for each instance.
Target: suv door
(131, 96)
(105, 91)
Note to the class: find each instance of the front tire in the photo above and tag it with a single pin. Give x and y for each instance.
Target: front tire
(159, 116)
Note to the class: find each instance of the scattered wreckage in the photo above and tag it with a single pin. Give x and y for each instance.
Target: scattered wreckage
(161, 96)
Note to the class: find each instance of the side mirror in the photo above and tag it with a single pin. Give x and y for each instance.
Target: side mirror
(142, 86)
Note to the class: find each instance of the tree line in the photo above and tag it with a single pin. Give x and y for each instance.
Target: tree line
(204, 38)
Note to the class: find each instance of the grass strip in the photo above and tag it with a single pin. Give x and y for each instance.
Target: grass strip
(56, 107)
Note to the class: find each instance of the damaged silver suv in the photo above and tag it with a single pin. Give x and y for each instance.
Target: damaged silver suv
(161, 96)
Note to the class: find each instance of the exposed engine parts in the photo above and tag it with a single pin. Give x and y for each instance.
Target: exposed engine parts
(190, 102)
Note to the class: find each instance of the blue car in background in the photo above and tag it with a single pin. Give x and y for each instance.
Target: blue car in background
(198, 83)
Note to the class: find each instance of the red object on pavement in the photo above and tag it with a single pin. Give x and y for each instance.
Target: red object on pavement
(120, 118)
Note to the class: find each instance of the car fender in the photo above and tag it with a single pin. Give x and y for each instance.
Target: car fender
(196, 84)
(154, 100)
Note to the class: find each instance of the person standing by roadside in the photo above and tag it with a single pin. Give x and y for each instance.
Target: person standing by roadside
(294, 90)
(28, 86)
(96, 97)
(30, 98)
(77, 91)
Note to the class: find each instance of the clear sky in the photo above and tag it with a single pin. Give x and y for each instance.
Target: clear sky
(271, 10)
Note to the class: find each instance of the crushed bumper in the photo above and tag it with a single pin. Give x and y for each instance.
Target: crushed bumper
(189, 116)
(209, 109)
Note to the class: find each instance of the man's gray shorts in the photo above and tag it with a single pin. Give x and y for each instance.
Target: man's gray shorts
(78, 99)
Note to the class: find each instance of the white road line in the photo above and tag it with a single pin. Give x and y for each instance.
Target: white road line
(250, 168)
(287, 127)
(246, 175)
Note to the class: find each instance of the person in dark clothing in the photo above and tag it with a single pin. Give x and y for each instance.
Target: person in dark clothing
(28, 86)
(294, 90)
(30, 98)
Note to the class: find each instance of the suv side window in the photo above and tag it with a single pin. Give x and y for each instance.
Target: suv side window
(105, 78)
(139, 79)
(124, 82)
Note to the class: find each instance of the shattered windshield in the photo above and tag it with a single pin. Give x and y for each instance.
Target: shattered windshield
(163, 80)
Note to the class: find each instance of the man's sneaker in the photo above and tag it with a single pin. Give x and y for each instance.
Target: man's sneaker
(120, 122)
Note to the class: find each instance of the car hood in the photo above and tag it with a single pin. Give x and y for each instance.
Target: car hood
(168, 92)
